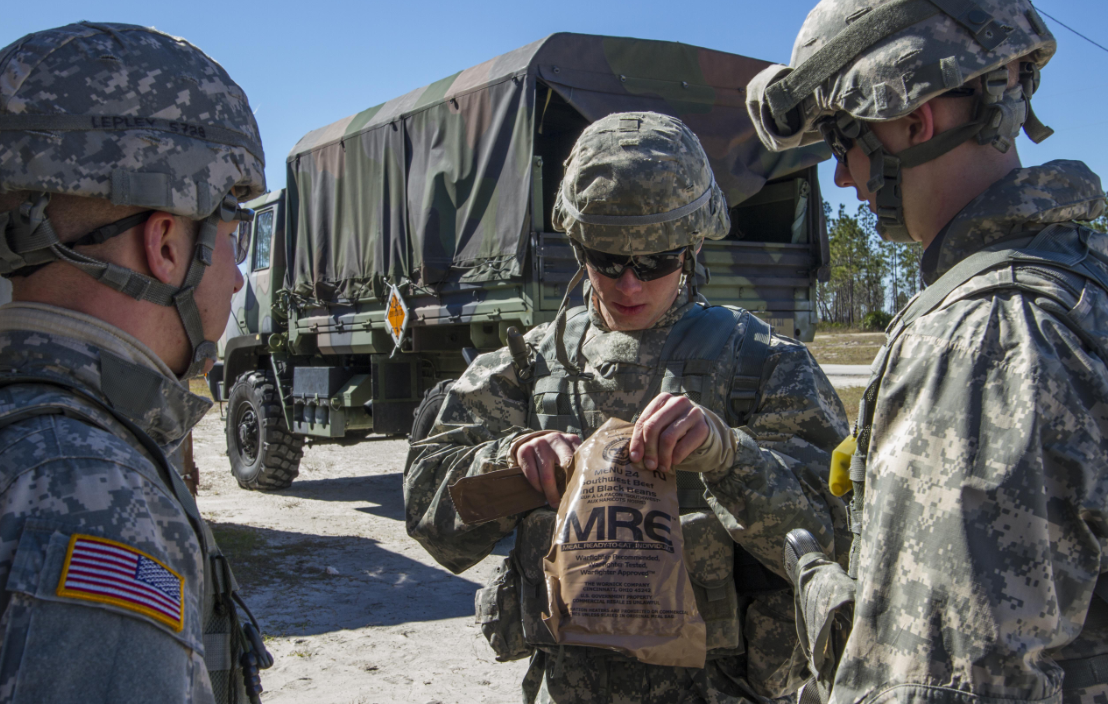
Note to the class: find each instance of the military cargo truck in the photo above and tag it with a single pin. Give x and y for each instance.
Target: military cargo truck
(412, 235)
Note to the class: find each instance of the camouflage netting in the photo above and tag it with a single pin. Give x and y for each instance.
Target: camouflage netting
(435, 186)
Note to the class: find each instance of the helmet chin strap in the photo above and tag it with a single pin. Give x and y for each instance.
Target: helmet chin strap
(202, 349)
(1000, 115)
(28, 241)
(688, 270)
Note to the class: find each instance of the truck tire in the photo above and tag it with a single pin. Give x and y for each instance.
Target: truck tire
(428, 410)
(264, 454)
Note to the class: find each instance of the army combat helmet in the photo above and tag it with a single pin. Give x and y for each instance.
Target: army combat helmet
(639, 184)
(858, 61)
(134, 116)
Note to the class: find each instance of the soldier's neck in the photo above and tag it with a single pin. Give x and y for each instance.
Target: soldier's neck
(157, 327)
(935, 192)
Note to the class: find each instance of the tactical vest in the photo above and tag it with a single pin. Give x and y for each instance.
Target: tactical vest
(1049, 249)
(229, 646)
(700, 343)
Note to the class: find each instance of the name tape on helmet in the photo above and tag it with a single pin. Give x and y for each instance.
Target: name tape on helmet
(117, 123)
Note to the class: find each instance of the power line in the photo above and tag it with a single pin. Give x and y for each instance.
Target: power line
(1099, 46)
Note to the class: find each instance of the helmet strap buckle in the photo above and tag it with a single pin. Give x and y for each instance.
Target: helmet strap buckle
(1002, 116)
(27, 239)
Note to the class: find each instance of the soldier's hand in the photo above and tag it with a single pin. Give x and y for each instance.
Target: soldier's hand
(669, 429)
(539, 456)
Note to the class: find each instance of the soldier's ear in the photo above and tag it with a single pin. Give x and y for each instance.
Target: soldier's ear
(168, 243)
(920, 124)
(916, 127)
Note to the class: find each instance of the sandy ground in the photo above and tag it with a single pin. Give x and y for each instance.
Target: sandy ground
(391, 625)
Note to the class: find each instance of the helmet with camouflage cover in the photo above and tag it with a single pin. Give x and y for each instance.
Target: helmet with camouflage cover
(134, 116)
(639, 183)
(858, 61)
(636, 183)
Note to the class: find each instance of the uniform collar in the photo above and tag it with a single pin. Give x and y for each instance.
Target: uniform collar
(676, 311)
(43, 340)
(1023, 201)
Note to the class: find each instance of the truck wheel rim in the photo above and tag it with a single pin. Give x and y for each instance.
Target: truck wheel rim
(248, 435)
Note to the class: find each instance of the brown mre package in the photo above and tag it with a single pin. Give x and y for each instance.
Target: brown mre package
(615, 574)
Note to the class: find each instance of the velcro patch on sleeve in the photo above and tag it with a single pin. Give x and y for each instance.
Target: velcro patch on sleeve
(108, 572)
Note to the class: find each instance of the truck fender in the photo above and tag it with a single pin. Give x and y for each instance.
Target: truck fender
(242, 356)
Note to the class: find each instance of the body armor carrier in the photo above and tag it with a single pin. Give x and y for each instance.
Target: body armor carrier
(569, 400)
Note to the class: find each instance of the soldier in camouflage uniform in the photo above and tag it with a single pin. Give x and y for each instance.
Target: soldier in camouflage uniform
(980, 475)
(123, 153)
(637, 199)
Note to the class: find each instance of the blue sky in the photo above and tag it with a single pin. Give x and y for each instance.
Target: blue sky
(306, 64)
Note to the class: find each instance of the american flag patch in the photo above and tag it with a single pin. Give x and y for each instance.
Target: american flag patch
(101, 570)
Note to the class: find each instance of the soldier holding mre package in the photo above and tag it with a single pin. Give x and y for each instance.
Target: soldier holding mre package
(747, 415)
(123, 155)
(980, 470)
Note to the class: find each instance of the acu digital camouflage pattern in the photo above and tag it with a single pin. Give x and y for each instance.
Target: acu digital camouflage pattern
(614, 170)
(460, 209)
(777, 482)
(62, 475)
(985, 514)
(898, 74)
(155, 122)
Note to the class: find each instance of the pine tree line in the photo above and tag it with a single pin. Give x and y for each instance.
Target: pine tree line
(871, 279)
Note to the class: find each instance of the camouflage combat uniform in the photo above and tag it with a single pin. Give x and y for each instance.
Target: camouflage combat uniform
(985, 521)
(778, 481)
(980, 472)
(75, 470)
(114, 589)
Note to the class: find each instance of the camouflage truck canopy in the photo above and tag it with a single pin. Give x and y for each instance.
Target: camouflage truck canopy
(436, 186)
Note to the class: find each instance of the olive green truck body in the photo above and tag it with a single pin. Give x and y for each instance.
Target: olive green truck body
(442, 198)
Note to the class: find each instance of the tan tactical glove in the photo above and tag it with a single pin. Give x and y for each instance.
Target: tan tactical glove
(717, 452)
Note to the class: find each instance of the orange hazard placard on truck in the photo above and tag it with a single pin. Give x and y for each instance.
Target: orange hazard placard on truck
(397, 316)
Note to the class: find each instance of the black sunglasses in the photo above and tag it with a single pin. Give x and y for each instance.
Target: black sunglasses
(646, 267)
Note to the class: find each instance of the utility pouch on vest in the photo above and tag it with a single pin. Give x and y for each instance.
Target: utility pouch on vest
(499, 612)
(775, 662)
(710, 560)
(825, 597)
(533, 539)
(220, 634)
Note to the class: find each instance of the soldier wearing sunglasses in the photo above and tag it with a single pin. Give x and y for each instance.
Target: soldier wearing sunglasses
(745, 415)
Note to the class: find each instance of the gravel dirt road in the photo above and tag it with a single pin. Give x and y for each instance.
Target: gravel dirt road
(352, 608)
